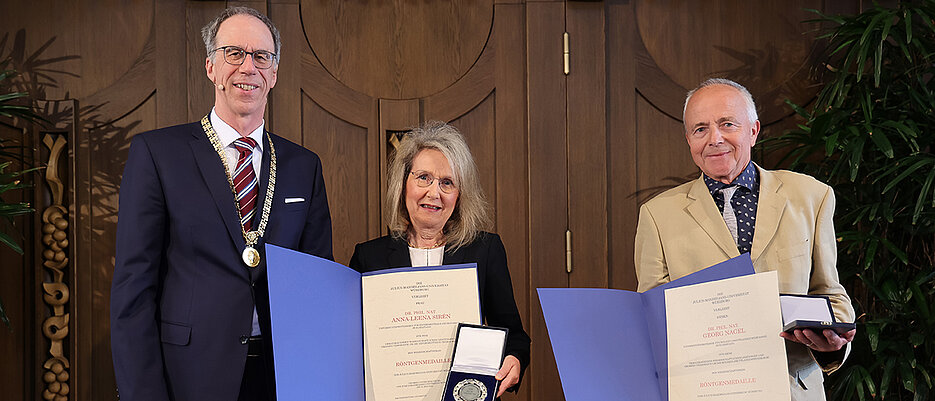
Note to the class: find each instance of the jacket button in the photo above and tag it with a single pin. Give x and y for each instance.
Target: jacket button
(243, 339)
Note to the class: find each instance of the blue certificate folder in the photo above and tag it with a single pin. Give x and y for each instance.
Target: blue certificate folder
(611, 344)
(317, 326)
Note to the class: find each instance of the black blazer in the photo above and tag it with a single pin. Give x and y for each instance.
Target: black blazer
(498, 307)
(181, 296)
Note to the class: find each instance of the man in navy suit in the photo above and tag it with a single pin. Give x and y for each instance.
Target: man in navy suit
(189, 301)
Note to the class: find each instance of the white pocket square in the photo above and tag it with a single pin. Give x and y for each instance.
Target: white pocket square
(295, 200)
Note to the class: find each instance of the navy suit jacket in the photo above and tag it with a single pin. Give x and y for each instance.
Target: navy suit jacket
(181, 298)
(493, 276)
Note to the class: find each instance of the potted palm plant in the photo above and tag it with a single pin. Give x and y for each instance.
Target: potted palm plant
(870, 134)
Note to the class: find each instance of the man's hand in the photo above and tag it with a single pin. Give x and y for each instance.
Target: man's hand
(508, 374)
(826, 341)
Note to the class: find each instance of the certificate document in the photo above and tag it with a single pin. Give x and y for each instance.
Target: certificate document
(410, 319)
(723, 340)
(382, 336)
(586, 324)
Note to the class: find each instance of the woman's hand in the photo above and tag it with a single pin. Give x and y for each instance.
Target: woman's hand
(508, 374)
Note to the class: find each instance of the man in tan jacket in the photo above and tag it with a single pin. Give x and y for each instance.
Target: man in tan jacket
(783, 219)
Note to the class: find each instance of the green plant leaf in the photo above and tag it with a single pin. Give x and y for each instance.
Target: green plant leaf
(10, 96)
(878, 57)
(907, 18)
(921, 303)
(856, 151)
(868, 382)
(888, 369)
(920, 202)
(899, 253)
(928, 377)
(8, 241)
(831, 143)
(905, 173)
(873, 335)
(879, 138)
(4, 318)
(925, 19)
(906, 376)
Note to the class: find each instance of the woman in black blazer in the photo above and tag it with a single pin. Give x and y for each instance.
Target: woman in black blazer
(436, 210)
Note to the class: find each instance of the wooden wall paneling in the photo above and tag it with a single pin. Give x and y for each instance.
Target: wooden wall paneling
(397, 50)
(356, 109)
(477, 126)
(759, 44)
(587, 143)
(199, 87)
(623, 210)
(663, 159)
(512, 182)
(106, 120)
(399, 115)
(171, 62)
(109, 141)
(469, 105)
(655, 86)
(465, 93)
(395, 116)
(86, 313)
(284, 109)
(338, 143)
(18, 285)
(70, 37)
(548, 182)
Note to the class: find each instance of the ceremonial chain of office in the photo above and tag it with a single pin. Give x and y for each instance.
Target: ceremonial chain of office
(250, 256)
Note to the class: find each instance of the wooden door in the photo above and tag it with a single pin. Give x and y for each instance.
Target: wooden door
(357, 79)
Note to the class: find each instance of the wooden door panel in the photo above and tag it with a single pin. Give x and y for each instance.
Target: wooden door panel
(397, 50)
(338, 144)
(548, 182)
(587, 145)
(511, 203)
(664, 160)
(621, 142)
(97, 186)
(732, 38)
(477, 126)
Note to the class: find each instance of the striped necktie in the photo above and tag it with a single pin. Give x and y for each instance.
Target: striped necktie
(245, 181)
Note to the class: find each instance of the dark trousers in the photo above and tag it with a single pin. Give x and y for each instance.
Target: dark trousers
(258, 383)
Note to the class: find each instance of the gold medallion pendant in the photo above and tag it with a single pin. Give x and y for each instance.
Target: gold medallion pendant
(251, 256)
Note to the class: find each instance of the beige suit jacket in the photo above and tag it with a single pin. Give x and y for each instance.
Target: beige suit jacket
(681, 231)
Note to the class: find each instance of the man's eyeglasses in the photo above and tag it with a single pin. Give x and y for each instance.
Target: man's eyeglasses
(234, 55)
(424, 179)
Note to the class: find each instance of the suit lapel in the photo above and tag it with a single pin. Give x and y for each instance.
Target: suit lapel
(457, 257)
(398, 255)
(702, 208)
(261, 197)
(212, 171)
(261, 183)
(770, 205)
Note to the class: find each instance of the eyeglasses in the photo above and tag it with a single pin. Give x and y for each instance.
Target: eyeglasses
(424, 179)
(234, 55)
